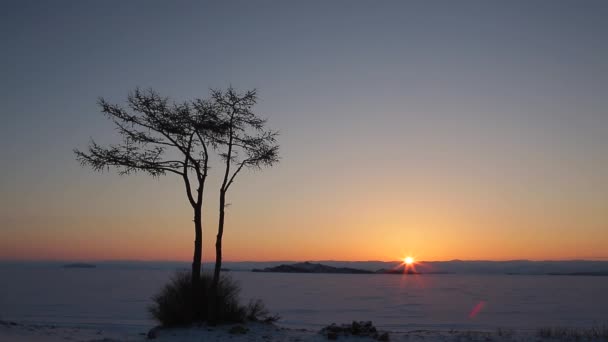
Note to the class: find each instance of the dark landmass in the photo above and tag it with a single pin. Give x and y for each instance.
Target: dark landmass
(8, 323)
(307, 267)
(79, 265)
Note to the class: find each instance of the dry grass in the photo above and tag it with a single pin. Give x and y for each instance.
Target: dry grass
(179, 304)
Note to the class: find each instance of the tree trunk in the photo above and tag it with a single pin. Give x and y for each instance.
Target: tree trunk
(218, 259)
(198, 246)
(218, 241)
(197, 261)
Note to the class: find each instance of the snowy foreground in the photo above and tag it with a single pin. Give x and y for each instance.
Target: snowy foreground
(110, 304)
(254, 332)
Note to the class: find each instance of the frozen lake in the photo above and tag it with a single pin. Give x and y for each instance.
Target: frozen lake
(117, 298)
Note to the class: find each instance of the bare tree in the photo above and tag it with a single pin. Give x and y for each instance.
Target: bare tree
(246, 144)
(159, 138)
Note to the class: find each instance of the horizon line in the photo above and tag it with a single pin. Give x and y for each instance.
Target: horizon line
(601, 259)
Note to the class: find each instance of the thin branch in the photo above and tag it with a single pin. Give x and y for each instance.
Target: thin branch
(243, 163)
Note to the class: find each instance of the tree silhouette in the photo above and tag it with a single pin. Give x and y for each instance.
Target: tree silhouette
(159, 138)
(245, 143)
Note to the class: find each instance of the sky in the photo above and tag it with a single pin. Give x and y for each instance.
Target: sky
(438, 129)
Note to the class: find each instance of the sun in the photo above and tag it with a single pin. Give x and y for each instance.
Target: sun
(408, 260)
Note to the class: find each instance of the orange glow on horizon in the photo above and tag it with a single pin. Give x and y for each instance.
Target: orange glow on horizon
(252, 237)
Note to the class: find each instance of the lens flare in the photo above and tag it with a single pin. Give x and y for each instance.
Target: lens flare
(477, 309)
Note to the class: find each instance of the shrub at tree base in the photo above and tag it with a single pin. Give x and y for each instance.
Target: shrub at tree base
(178, 304)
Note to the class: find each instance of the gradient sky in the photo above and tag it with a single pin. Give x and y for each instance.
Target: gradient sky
(441, 129)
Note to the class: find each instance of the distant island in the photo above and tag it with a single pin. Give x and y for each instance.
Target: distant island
(308, 267)
(79, 265)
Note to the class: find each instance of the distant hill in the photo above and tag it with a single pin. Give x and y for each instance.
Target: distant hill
(308, 267)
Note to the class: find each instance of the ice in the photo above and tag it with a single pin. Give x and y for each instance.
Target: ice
(117, 298)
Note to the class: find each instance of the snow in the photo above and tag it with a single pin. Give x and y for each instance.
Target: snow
(256, 332)
(51, 303)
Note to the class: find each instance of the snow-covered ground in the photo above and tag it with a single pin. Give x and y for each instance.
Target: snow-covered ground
(51, 303)
(264, 332)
